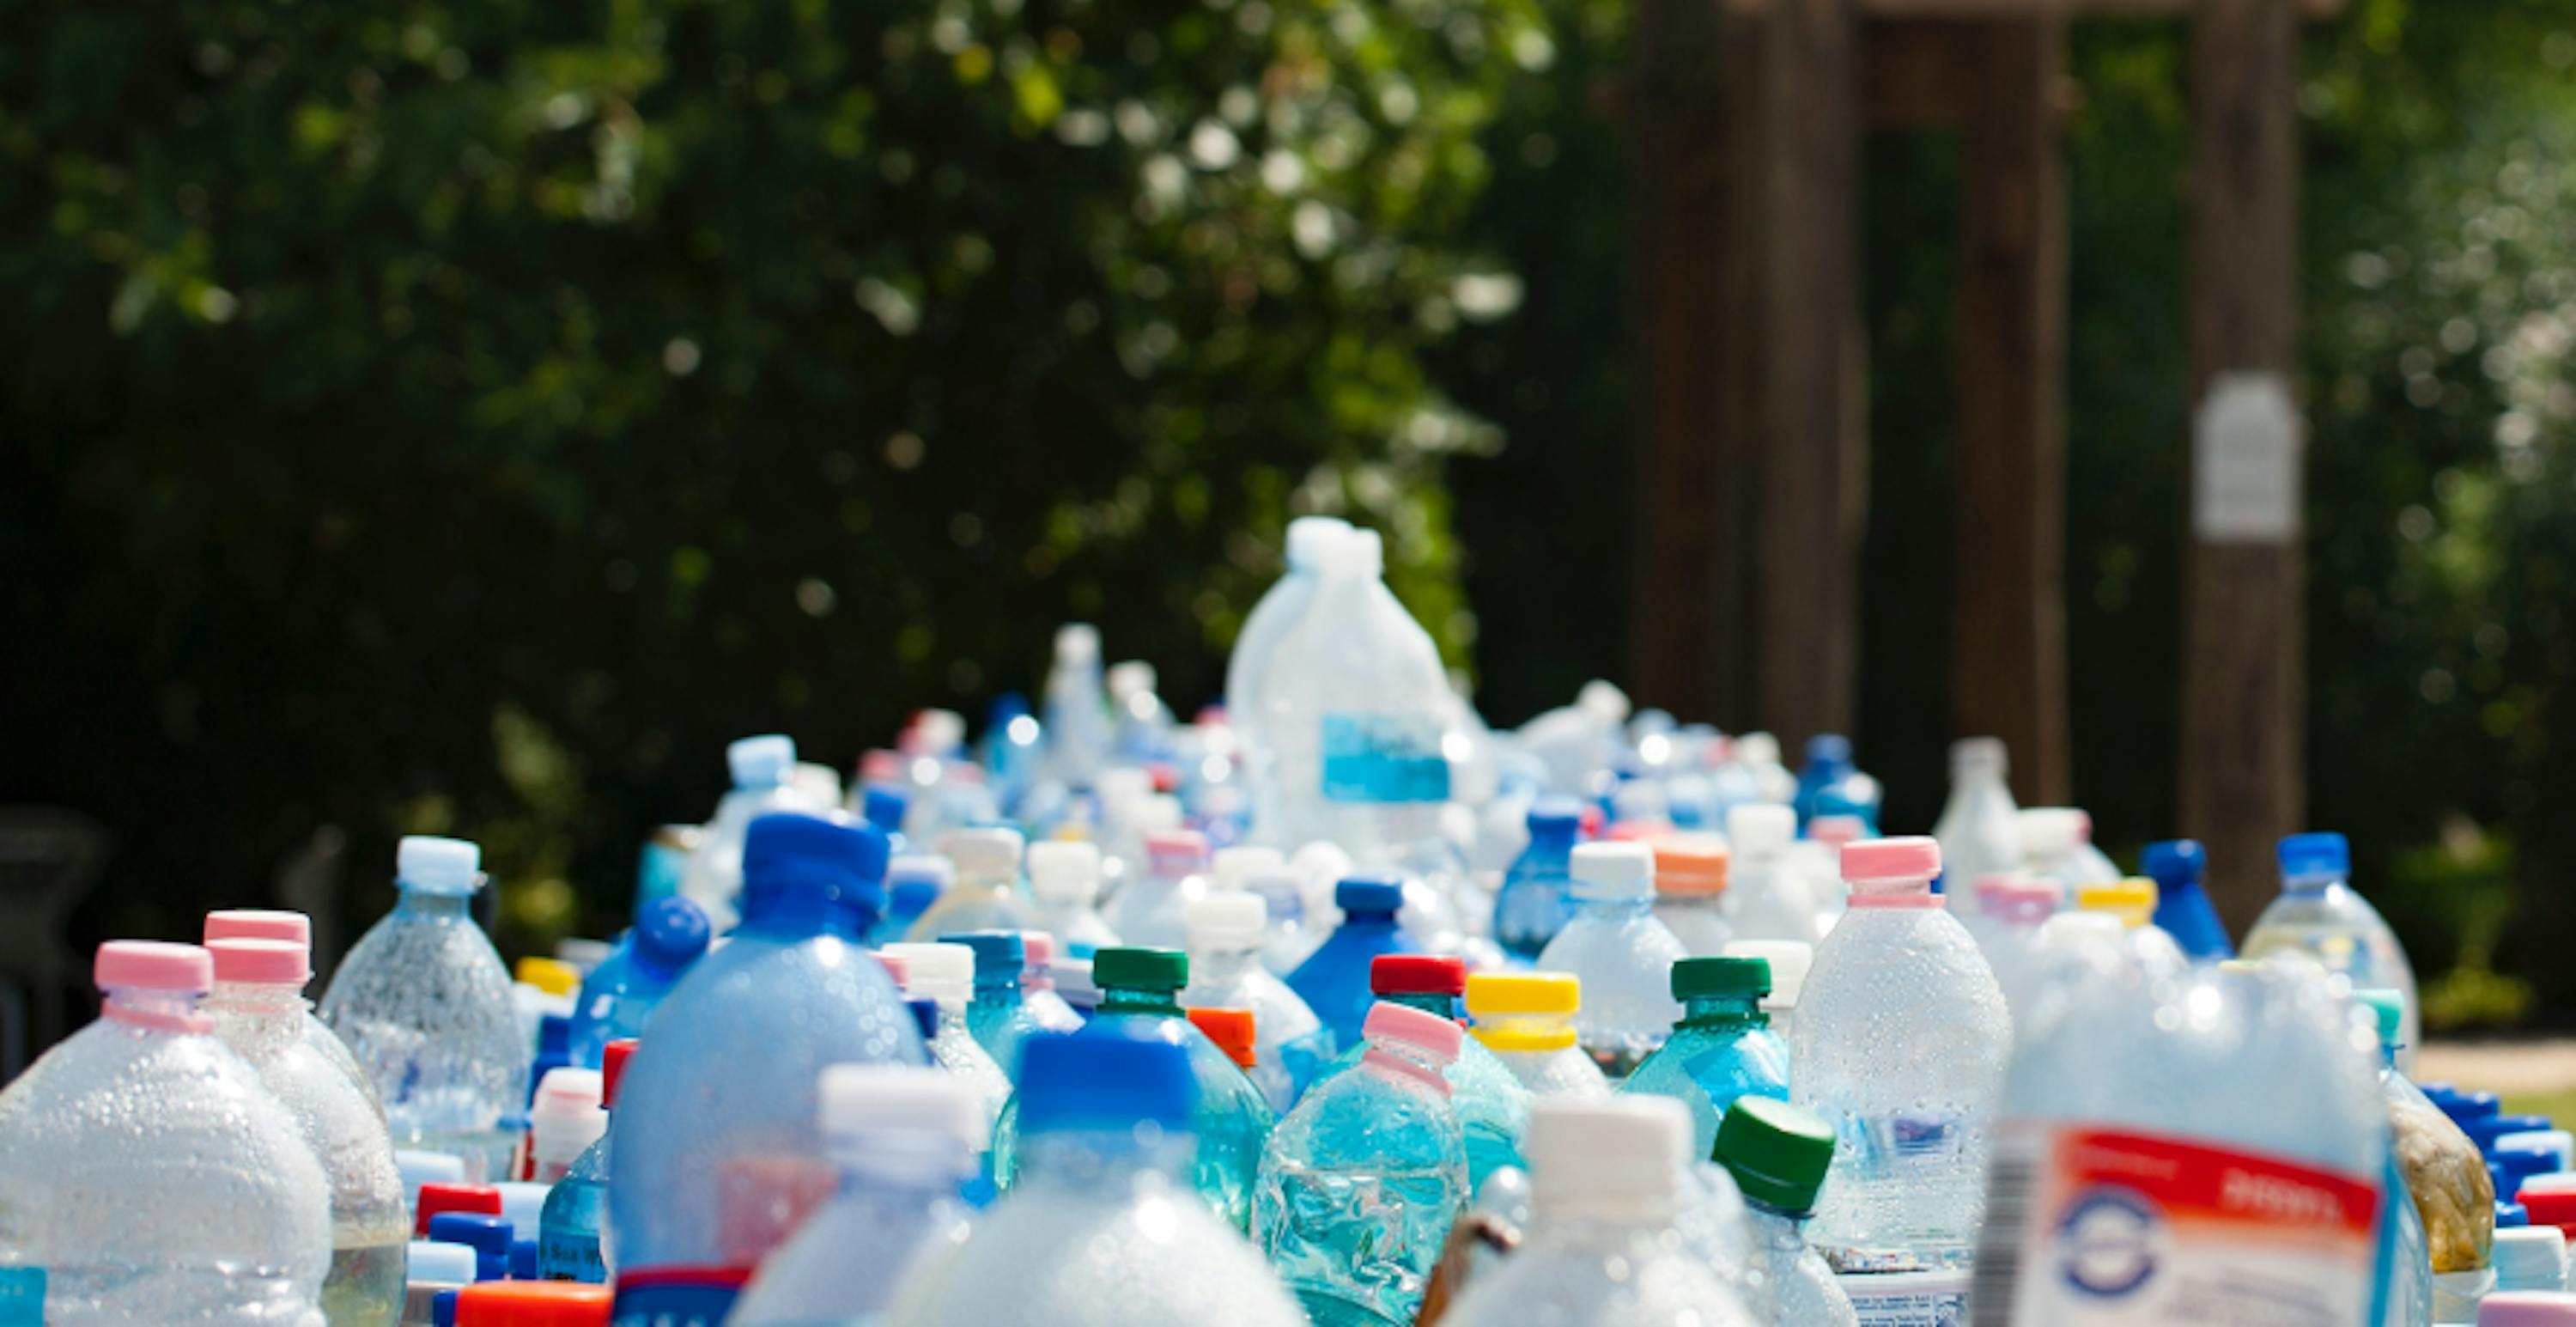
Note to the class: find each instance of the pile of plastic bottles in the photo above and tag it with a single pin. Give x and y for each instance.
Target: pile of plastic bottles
(1332, 1006)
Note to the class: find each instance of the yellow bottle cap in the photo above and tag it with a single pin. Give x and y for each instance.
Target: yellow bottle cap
(2133, 900)
(1524, 1011)
(551, 975)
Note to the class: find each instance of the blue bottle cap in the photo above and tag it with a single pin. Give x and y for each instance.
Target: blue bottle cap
(670, 933)
(1369, 893)
(442, 1309)
(1555, 817)
(2466, 1106)
(883, 807)
(1103, 1078)
(830, 859)
(914, 897)
(925, 1017)
(523, 1260)
(1829, 749)
(2521, 1163)
(487, 1235)
(998, 954)
(2175, 861)
(2486, 1130)
(2509, 1215)
(2314, 858)
(2441, 1095)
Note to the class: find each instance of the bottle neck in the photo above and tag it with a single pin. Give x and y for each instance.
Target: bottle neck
(1600, 1222)
(781, 913)
(1776, 1227)
(918, 1167)
(1430, 1002)
(1723, 1013)
(1222, 967)
(1138, 1000)
(1370, 921)
(418, 902)
(2310, 886)
(1613, 905)
(1001, 992)
(1089, 1159)
(258, 1007)
(154, 1010)
(1401, 1062)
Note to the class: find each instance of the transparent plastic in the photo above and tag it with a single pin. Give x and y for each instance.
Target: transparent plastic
(1624, 957)
(1721, 1050)
(1290, 1044)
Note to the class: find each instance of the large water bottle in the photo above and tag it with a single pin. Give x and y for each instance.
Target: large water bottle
(2183, 908)
(1607, 1180)
(1537, 895)
(1977, 833)
(148, 1177)
(1723, 1047)
(764, 780)
(1766, 897)
(572, 1227)
(1065, 879)
(987, 895)
(718, 1158)
(1078, 733)
(1247, 669)
(259, 1010)
(2321, 915)
(1621, 954)
(619, 994)
(1527, 1020)
(1901, 1044)
(1690, 892)
(1778, 1155)
(1101, 1229)
(1361, 1181)
(424, 1004)
(2218, 1154)
(1334, 980)
(1226, 932)
(1153, 908)
(905, 1139)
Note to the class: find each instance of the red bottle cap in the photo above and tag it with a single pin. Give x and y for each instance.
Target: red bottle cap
(436, 1198)
(1417, 974)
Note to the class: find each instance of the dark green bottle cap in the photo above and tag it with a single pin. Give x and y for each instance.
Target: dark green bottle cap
(1709, 978)
(1778, 1153)
(1133, 968)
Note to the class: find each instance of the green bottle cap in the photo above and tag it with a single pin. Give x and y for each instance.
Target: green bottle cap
(1137, 969)
(2387, 1009)
(1707, 978)
(1778, 1153)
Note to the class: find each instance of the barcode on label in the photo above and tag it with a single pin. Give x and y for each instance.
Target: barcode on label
(1996, 1280)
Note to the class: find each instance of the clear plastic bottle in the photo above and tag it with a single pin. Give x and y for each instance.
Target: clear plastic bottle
(1153, 909)
(2321, 915)
(987, 896)
(259, 1010)
(1901, 1044)
(1078, 732)
(619, 994)
(905, 1139)
(2056, 843)
(1038, 995)
(1607, 1180)
(294, 928)
(1527, 1020)
(764, 780)
(1225, 933)
(1766, 898)
(945, 972)
(1977, 832)
(572, 1227)
(149, 1177)
(718, 1158)
(424, 1005)
(1334, 980)
(1789, 960)
(1101, 1229)
(2133, 901)
(1360, 1183)
(1778, 1155)
(1537, 895)
(1831, 785)
(1247, 669)
(2009, 923)
(1690, 892)
(1621, 954)
(1065, 878)
(998, 1015)
(1287, 940)
(2183, 908)
(1576, 742)
(1723, 1047)
(1493, 1107)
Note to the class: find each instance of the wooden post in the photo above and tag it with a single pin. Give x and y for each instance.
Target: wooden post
(2242, 775)
(2008, 671)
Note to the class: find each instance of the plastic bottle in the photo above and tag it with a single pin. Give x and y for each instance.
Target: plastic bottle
(2445, 1227)
(1153, 909)
(2321, 915)
(296, 928)
(1977, 830)
(1101, 1229)
(2183, 908)
(1286, 939)
(1766, 899)
(148, 1176)
(1271, 619)
(1334, 980)
(1012, 748)
(913, 884)
(1359, 1184)
(904, 1139)
(1606, 1183)
(1789, 961)
(945, 972)
(987, 895)
(2054, 848)
(1723, 1047)
(2133, 901)
(998, 1016)
(2010, 925)
(565, 1120)
(1690, 892)
(1226, 972)
(424, 1005)
(573, 1243)
(1831, 785)
(1537, 895)
(619, 994)
(764, 780)
(1065, 878)
(884, 806)
(1901, 1043)
(1778, 1155)
(1078, 733)
(1492, 1106)
(1621, 954)
(1038, 995)
(717, 1154)
(1527, 1021)
(1576, 742)
(1143, 726)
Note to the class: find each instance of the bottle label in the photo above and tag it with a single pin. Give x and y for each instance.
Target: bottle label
(22, 1297)
(1384, 758)
(2088, 1226)
(565, 1256)
(1907, 1299)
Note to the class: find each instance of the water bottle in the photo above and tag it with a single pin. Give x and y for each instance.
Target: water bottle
(1286, 939)
(1778, 1155)
(945, 973)
(987, 895)
(1723, 1047)
(1831, 785)
(1607, 1180)
(1247, 668)
(1574, 743)
(1065, 879)
(1789, 961)
(718, 1157)
(565, 1119)
(1492, 1106)
(572, 1227)
(1537, 895)
(1766, 898)
(1334, 980)
(1143, 726)
(905, 1139)
(2216, 1146)
(1527, 1021)
(2133, 902)
(424, 1005)
(913, 884)
(1012, 748)
(1077, 729)
(297, 929)
(764, 780)
(1043, 1004)
(1690, 892)
(1621, 954)
(149, 1177)
(1153, 909)
(1361, 1181)
(2319, 914)
(997, 1012)
(1101, 1229)
(1225, 933)
(2056, 845)
(2010, 926)
(1977, 831)
(1901, 1042)
(2183, 908)
(619, 994)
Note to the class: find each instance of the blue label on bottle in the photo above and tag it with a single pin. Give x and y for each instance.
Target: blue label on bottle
(676, 1301)
(1384, 758)
(565, 1256)
(22, 1297)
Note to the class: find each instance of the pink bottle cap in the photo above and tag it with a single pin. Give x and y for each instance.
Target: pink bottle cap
(2016, 898)
(1892, 873)
(259, 924)
(1037, 949)
(1440, 1037)
(153, 965)
(1837, 831)
(261, 962)
(897, 967)
(2527, 1308)
(1176, 850)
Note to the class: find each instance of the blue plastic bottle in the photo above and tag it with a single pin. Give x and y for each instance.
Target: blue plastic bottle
(718, 1156)
(2183, 909)
(1493, 1107)
(1831, 785)
(619, 994)
(884, 807)
(997, 1015)
(1334, 980)
(1721, 1050)
(1537, 900)
(576, 1208)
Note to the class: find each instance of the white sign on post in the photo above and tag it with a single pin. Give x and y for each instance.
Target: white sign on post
(2245, 461)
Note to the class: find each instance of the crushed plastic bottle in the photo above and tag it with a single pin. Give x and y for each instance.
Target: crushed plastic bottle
(764, 780)
(1977, 831)
(2445, 1222)
(572, 1226)
(987, 896)
(1621, 954)
(1536, 899)
(1334, 980)
(1065, 878)
(2321, 915)
(1766, 898)
(1527, 1021)
(618, 995)
(1778, 1156)
(1225, 934)
(1690, 892)
(2183, 908)
(1492, 1106)
(1153, 909)
(1723, 1047)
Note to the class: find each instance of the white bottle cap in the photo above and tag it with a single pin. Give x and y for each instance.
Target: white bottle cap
(523, 1203)
(441, 866)
(1061, 872)
(818, 784)
(2048, 831)
(2068, 932)
(436, 1262)
(1077, 642)
(1230, 868)
(1602, 701)
(1614, 870)
(565, 1118)
(1156, 813)
(862, 1099)
(761, 762)
(941, 730)
(1789, 960)
(1358, 553)
(1220, 922)
(1757, 749)
(1760, 829)
(985, 853)
(942, 972)
(2530, 1257)
(1309, 536)
(1131, 677)
(1624, 1151)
